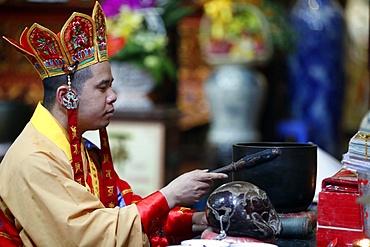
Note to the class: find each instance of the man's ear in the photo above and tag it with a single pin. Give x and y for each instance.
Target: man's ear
(62, 93)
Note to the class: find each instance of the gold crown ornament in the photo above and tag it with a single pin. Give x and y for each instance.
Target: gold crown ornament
(81, 42)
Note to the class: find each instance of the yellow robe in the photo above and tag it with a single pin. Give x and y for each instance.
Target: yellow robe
(38, 190)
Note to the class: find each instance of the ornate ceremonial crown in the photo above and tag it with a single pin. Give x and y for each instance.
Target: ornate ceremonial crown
(82, 42)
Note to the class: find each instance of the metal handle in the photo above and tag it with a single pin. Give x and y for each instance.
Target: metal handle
(250, 160)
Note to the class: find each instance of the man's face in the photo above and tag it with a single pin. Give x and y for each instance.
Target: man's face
(96, 99)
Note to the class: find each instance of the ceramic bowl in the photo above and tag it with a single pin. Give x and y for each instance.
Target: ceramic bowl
(204, 243)
(252, 245)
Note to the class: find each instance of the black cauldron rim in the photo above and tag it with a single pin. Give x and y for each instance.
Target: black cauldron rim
(298, 162)
(275, 144)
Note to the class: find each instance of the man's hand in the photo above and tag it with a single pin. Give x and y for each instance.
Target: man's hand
(200, 222)
(190, 187)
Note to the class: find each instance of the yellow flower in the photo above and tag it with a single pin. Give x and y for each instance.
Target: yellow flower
(125, 23)
(220, 12)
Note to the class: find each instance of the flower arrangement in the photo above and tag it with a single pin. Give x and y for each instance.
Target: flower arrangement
(242, 31)
(137, 33)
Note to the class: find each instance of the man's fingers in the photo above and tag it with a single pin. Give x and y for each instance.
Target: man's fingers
(199, 228)
(212, 176)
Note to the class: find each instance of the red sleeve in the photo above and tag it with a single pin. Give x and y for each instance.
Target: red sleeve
(164, 226)
(179, 225)
(153, 210)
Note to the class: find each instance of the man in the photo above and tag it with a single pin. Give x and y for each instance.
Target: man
(56, 189)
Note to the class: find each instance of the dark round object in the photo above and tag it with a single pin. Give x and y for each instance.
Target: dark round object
(243, 209)
(289, 180)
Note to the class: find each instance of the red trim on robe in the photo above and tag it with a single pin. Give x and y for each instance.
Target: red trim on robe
(128, 195)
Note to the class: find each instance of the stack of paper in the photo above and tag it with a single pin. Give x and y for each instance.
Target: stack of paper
(358, 156)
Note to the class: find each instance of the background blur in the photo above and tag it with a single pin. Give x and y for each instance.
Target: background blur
(174, 123)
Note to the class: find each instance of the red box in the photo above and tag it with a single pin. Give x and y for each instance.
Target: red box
(338, 214)
(344, 238)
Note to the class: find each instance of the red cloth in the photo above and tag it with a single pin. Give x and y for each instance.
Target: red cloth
(179, 225)
(9, 235)
(153, 210)
(164, 226)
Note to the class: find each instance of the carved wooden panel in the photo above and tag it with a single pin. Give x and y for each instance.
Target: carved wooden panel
(193, 71)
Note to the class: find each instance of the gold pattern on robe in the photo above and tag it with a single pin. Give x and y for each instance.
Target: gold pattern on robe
(105, 158)
(75, 147)
(78, 167)
(111, 205)
(94, 177)
(110, 190)
(105, 142)
(108, 175)
(74, 131)
(124, 192)
(79, 180)
(182, 209)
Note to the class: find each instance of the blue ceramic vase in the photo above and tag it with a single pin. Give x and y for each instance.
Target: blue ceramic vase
(316, 71)
(235, 93)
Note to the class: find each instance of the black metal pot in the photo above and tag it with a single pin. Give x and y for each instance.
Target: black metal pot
(289, 180)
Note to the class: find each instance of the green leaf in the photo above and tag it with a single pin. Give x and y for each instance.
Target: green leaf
(171, 18)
